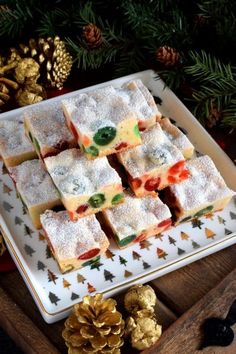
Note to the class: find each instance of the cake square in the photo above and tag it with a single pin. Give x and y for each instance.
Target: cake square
(140, 100)
(177, 137)
(35, 189)
(46, 128)
(204, 191)
(74, 244)
(137, 218)
(14, 145)
(155, 164)
(102, 122)
(86, 186)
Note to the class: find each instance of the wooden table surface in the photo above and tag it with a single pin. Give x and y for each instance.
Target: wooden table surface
(177, 292)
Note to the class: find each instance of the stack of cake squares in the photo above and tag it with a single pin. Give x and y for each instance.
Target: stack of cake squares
(72, 180)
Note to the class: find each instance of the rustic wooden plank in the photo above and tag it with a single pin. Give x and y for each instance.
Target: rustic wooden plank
(13, 284)
(22, 330)
(185, 335)
(182, 288)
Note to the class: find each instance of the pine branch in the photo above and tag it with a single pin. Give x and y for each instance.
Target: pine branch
(13, 20)
(208, 69)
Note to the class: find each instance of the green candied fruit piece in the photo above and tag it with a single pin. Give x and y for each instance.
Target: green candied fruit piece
(104, 135)
(187, 218)
(91, 261)
(30, 136)
(136, 131)
(117, 198)
(36, 144)
(125, 241)
(203, 211)
(92, 150)
(97, 200)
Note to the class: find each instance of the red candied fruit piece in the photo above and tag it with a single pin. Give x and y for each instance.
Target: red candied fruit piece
(82, 208)
(122, 145)
(72, 215)
(164, 223)
(177, 168)
(74, 131)
(184, 174)
(50, 154)
(140, 238)
(136, 183)
(152, 184)
(140, 126)
(172, 179)
(90, 254)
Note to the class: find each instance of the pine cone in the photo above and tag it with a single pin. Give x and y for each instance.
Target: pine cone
(92, 35)
(7, 89)
(167, 56)
(52, 56)
(94, 327)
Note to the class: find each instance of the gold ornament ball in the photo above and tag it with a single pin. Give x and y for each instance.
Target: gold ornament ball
(143, 332)
(140, 297)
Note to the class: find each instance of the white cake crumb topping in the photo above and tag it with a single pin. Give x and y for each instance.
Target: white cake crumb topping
(156, 151)
(48, 124)
(70, 239)
(12, 138)
(74, 174)
(137, 214)
(93, 110)
(34, 183)
(205, 184)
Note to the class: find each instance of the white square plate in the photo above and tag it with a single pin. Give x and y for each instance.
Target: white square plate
(55, 293)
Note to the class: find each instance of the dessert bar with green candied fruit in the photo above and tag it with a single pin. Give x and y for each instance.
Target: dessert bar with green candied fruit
(140, 100)
(102, 122)
(14, 145)
(74, 244)
(137, 219)
(153, 165)
(35, 189)
(203, 192)
(85, 186)
(177, 137)
(46, 128)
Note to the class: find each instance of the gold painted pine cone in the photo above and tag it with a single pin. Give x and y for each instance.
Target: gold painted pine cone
(52, 56)
(94, 327)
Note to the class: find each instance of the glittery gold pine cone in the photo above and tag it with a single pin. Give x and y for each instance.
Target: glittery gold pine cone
(92, 35)
(52, 56)
(2, 245)
(94, 327)
(167, 56)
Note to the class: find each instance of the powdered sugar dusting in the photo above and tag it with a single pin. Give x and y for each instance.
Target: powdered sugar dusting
(204, 186)
(137, 214)
(136, 101)
(70, 239)
(156, 151)
(34, 183)
(12, 138)
(48, 124)
(147, 95)
(175, 135)
(74, 174)
(89, 110)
